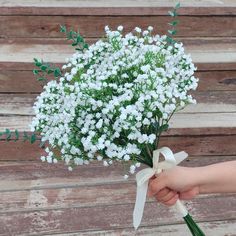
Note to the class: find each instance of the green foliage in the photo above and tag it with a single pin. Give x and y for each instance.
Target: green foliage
(45, 69)
(8, 135)
(77, 40)
(172, 32)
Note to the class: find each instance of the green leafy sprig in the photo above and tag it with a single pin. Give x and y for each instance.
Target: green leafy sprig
(15, 135)
(76, 38)
(173, 31)
(44, 69)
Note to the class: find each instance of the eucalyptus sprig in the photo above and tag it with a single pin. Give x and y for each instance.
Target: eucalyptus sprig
(45, 69)
(173, 31)
(76, 38)
(15, 135)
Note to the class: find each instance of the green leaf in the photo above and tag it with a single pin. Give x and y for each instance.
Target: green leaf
(35, 72)
(17, 135)
(32, 138)
(172, 32)
(41, 79)
(50, 71)
(62, 28)
(164, 127)
(37, 62)
(86, 46)
(74, 44)
(177, 6)
(174, 23)
(44, 67)
(57, 72)
(25, 136)
(171, 13)
(8, 134)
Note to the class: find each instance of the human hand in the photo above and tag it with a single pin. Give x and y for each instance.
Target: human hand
(173, 184)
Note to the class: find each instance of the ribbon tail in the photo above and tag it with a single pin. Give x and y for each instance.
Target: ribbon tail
(139, 204)
(180, 156)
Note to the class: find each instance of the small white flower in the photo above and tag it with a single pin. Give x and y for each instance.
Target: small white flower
(120, 28)
(99, 158)
(138, 164)
(105, 163)
(150, 28)
(70, 168)
(126, 176)
(137, 29)
(126, 157)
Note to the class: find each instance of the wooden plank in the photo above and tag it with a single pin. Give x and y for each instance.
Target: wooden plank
(195, 142)
(114, 4)
(216, 228)
(78, 196)
(19, 82)
(216, 80)
(20, 151)
(209, 102)
(106, 7)
(24, 81)
(212, 54)
(214, 97)
(16, 54)
(187, 41)
(93, 26)
(178, 121)
(96, 218)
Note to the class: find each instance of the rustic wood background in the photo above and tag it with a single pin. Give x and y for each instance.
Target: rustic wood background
(42, 199)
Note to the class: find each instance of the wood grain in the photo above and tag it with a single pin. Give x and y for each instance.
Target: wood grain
(95, 218)
(216, 228)
(207, 55)
(93, 26)
(178, 121)
(55, 7)
(196, 144)
(22, 81)
(89, 195)
(208, 102)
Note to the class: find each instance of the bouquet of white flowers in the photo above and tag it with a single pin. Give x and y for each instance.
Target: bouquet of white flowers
(113, 101)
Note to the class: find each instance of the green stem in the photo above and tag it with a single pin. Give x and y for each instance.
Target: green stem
(193, 227)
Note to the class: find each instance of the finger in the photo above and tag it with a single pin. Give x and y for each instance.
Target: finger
(172, 201)
(162, 193)
(167, 197)
(155, 185)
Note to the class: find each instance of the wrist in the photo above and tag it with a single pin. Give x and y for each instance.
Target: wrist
(199, 178)
(202, 180)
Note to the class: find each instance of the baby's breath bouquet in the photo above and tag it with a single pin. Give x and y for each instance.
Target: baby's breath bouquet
(113, 99)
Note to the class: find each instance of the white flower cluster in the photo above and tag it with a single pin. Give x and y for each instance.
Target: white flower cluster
(114, 99)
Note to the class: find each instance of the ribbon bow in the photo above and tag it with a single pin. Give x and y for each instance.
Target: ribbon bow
(143, 176)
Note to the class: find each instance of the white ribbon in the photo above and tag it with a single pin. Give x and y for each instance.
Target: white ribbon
(143, 176)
